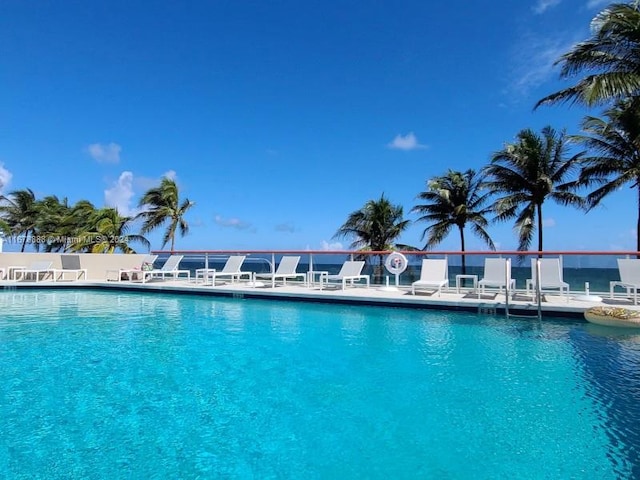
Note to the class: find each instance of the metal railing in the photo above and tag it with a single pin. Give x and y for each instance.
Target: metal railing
(583, 270)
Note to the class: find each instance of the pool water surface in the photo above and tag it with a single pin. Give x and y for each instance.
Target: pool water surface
(130, 385)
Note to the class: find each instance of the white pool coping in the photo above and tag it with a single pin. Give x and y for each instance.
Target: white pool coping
(494, 302)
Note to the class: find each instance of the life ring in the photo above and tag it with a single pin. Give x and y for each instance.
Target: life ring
(396, 263)
(613, 317)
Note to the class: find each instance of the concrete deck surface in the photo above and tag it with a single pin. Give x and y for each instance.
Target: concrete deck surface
(553, 304)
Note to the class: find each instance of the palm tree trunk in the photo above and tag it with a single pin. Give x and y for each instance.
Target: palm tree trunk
(464, 259)
(24, 242)
(539, 230)
(377, 274)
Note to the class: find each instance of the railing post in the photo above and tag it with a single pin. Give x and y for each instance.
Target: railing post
(507, 275)
(539, 288)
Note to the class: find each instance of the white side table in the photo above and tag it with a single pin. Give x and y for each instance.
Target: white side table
(311, 276)
(473, 278)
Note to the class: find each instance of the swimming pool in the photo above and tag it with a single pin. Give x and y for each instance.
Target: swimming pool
(111, 385)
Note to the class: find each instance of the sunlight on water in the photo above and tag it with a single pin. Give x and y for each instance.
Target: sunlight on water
(112, 385)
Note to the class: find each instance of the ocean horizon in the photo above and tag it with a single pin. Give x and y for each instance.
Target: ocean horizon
(598, 278)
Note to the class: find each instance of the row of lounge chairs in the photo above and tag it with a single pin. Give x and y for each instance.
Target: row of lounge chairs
(434, 274)
(43, 270)
(351, 271)
(497, 275)
(146, 271)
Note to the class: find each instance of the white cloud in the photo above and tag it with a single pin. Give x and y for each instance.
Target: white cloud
(549, 222)
(544, 5)
(598, 3)
(145, 183)
(105, 153)
(533, 62)
(5, 177)
(120, 194)
(285, 227)
(406, 142)
(331, 246)
(232, 223)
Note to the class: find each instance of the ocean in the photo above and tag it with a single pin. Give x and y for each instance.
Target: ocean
(597, 277)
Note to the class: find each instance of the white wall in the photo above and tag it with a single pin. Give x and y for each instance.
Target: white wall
(96, 264)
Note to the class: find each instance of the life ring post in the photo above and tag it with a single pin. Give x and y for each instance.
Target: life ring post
(395, 263)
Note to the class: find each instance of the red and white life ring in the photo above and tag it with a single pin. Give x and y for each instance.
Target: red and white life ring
(396, 263)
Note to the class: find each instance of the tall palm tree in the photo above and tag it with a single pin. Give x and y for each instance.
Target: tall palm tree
(529, 172)
(77, 220)
(51, 214)
(20, 211)
(609, 61)
(615, 146)
(109, 234)
(162, 204)
(454, 200)
(375, 227)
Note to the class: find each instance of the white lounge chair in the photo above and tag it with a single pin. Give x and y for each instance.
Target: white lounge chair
(629, 269)
(550, 277)
(351, 271)
(134, 273)
(40, 270)
(231, 269)
(495, 275)
(70, 265)
(286, 269)
(434, 274)
(169, 269)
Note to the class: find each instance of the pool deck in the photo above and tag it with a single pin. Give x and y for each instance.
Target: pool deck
(491, 302)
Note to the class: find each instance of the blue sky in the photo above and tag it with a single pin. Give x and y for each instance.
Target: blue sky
(280, 118)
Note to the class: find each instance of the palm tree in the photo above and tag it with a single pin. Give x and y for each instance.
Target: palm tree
(109, 234)
(609, 60)
(20, 211)
(77, 220)
(375, 227)
(163, 205)
(51, 213)
(527, 173)
(5, 229)
(453, 200)
(615, 143)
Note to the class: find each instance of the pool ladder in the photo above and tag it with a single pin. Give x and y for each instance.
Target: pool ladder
(538, 293)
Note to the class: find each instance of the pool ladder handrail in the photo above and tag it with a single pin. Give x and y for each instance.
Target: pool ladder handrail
(538, 293)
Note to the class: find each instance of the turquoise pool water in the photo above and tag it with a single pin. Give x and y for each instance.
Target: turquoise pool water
(124, 385)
